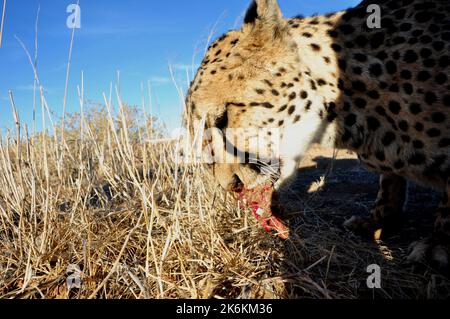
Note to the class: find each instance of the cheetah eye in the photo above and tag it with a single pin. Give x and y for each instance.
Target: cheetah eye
(222, 121)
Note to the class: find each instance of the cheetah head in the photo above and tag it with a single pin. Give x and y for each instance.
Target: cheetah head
(247, 83)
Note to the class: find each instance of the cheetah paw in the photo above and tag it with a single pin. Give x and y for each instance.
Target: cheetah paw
(426, 250)
(364, 227)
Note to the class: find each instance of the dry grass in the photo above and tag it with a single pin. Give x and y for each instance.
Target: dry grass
(92, 192)
(139, 226)
(135, 223)
(2, 22)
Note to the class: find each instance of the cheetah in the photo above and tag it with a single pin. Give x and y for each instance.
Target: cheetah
(382, 92)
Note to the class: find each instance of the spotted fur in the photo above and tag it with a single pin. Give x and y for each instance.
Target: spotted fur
(383, 93)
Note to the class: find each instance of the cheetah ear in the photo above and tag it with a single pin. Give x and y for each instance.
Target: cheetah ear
(266, 11)
(264, 15)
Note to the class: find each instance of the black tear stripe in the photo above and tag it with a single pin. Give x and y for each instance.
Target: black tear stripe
(235, 104)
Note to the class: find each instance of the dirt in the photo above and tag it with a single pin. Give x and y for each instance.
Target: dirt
(317, 208)
(351, 190)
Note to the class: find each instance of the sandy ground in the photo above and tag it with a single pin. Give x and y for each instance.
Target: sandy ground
(351, 190)
(319, 207)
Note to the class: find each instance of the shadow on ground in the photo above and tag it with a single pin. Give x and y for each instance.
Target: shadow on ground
(324, 258)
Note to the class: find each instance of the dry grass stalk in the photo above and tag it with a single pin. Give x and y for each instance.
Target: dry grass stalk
(108, 198)
(138, 231)
(2, 22)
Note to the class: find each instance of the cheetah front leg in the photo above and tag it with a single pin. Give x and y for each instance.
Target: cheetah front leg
(295, 142)
(288, 174)
(436, 248)
(388, 209)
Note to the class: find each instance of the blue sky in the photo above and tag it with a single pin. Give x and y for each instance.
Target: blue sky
(139, 38)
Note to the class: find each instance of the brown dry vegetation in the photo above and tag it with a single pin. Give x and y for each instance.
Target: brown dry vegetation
(139, 226)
